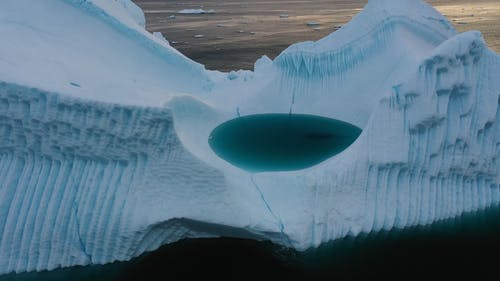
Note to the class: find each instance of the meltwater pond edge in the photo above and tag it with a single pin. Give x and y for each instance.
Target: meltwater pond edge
(281, 142)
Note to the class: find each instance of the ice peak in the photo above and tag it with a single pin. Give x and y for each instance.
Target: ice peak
(374, 28)
(468, 43)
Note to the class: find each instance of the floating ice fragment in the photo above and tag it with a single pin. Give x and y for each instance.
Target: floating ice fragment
(196, 11)
(312, 23)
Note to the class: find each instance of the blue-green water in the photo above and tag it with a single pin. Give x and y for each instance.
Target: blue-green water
(281, 142)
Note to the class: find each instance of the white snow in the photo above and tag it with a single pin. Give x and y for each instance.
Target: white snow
(104, 131)
(108, 59)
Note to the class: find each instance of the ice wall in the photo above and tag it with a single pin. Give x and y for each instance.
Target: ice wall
(429, 152)
(446, 162)
(103, 142)
(87, 182)
(67, 170)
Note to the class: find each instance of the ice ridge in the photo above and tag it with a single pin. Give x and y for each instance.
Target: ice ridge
(84, 181)
(373, 29)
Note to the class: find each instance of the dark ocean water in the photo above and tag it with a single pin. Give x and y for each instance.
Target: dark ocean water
(467, 248)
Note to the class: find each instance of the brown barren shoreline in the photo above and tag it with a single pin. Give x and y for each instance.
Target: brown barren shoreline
(241, 31)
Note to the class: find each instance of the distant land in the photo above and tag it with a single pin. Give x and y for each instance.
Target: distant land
(234, 34)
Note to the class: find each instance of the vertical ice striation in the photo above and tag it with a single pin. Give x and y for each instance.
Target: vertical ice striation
(104, 149)
(67, 168)
(89, 183)
(368, 32)
(356, 64)
(429, 152)
(447, 122)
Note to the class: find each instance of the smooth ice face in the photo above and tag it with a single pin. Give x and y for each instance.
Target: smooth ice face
(281, 142)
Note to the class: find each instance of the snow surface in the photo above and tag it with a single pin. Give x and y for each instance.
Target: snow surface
(44, 52)
(104, 131)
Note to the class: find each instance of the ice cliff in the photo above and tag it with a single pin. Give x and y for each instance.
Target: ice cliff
(104, 128)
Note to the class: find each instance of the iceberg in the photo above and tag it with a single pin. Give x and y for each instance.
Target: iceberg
(104, 133)
(196, 11)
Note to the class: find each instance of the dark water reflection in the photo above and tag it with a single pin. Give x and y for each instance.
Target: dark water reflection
(281, 142)
(466, 247)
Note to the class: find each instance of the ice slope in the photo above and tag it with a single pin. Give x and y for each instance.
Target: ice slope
(104, 128)
(355, 64)
(83, 51)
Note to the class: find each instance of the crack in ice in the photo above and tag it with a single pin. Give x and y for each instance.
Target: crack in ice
(80, 240)
(278, 219)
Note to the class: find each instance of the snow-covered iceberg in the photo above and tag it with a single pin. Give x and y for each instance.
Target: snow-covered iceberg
(104, 131)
